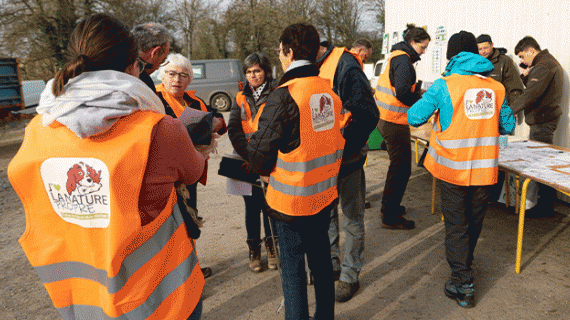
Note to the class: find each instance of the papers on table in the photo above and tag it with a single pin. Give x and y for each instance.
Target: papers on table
(537, 160)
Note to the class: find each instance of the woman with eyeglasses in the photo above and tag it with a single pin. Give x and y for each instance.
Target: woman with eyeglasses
(107, 240)
(250, 103)
(176, 74)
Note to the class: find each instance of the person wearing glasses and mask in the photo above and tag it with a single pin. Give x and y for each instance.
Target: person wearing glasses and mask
(249, 105)
(176, 74)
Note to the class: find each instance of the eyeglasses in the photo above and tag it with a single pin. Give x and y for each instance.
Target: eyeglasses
(182, 75)
(143, 65)
(253, 72)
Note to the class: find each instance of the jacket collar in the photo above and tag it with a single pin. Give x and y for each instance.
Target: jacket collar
(542, 55)
(407, 48)
(310, 70)
(324, 57)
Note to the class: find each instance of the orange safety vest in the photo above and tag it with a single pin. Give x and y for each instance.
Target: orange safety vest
(83, 229)
(176, 106)
(248, 123)
(328, 70)
(304, 180)
(391, 109)
(467, 152)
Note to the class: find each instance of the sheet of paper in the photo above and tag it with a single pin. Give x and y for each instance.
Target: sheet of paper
(526, 143)
(238, 188)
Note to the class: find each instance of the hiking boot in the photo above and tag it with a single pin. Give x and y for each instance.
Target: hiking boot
(336, 274)
(463, 294)
(399, 223)
(254, 255)
(270, 246)
(344, 290)
(207, 272)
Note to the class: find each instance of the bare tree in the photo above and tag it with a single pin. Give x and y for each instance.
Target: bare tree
(379, 9)
(188, 14)
(339, 20)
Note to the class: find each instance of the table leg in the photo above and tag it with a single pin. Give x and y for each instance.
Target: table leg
(517, 196)
(507, 192)
(433, 196)
(521, 226)
(416, 145)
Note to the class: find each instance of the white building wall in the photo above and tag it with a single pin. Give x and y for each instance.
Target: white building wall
(506, 21)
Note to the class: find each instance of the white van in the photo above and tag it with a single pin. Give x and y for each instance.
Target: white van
(378, 69)
(216, 81)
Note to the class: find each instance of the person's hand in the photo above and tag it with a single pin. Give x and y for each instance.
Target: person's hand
(219, 125)
(246, 167)
(265, 179)
(525, 72)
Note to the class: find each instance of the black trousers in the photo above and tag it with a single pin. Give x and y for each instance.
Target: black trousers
(544, 132)
(397, 137)
(463, 211)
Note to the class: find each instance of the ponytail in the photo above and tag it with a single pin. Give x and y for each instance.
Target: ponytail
(415, 34)
(99, 42)
(70, 70)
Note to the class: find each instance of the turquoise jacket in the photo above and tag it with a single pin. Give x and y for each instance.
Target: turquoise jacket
(437, 96)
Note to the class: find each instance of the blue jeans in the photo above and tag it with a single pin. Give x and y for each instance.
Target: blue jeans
(352, 192)
(306, 235)
(197, 313)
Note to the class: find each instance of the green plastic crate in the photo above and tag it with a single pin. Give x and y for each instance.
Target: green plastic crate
(374, 140)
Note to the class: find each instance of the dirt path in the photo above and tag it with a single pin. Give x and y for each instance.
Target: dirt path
(402, 277)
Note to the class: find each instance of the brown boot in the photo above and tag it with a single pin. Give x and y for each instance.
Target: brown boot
(254, 254)
(270, 244)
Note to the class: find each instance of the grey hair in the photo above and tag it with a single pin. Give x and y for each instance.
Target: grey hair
(150, 35)
(176, 60)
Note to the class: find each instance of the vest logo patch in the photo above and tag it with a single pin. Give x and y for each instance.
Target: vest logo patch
(479, 103)
(322, 111)
(78, 189)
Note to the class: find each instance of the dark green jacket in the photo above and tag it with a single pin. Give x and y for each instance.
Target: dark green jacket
(542, 98)
(506, 72)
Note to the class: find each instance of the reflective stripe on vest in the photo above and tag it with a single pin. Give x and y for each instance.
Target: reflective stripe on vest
(328, 70)
(391, 109)
(125, 270)
(304, 181)
(134, 261)
(306, 167)
(466, 153)
(463, 165)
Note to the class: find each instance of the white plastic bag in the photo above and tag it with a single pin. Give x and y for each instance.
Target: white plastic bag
(531, 192)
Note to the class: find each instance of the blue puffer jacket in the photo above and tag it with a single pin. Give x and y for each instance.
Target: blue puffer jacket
(437, 96)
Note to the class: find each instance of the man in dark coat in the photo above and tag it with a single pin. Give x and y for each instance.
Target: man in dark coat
(352, 86)
(541, 102)
(506, 71)
(153, 40)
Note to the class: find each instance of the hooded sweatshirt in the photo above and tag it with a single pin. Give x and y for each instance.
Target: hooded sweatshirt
(91, 104)
(437, 97)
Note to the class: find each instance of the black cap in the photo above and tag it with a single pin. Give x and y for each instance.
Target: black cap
(484, 38)
(460, 42)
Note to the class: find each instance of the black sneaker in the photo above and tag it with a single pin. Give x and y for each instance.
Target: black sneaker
(463, 294)
(344, 290)
(207, 272)
(399, 223)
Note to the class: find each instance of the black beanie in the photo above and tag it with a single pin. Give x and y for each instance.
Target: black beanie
(484, 38)
(459, 42)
